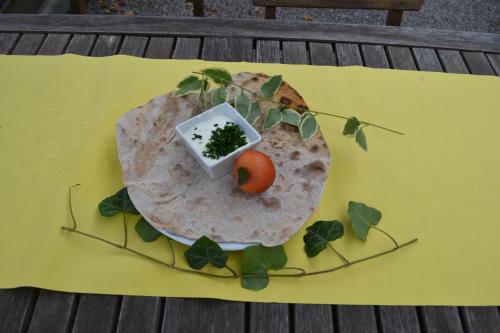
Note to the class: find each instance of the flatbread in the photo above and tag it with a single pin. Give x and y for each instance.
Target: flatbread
(171, 191)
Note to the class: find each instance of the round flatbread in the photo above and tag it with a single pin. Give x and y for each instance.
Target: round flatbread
(172, 191)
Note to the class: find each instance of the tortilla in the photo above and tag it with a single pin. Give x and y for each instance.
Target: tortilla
(172, 191)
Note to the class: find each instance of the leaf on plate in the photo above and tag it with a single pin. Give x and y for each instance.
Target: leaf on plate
(351, 126)
(242, 104)
(205, 85)
(146, 231)
(273, 118)
(243, 175)
(319, 234)
(361, 140)
(291, 117)
(257, 260)
(362, 218)
(190, 83)
(205, 251)
(119, 202)
(254, 113)
(219, 96)
(218, 75)
(270, 86)
(307, 126)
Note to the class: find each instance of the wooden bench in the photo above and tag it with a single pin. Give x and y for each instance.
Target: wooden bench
(394, 16)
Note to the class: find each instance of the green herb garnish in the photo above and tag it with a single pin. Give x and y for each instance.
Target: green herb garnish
(224, 141)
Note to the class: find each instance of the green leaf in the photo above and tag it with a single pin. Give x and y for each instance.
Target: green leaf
(273, 118)
(270, 86)
(242, 104)
(308, 126)
(219, 96)
(319, 234)
(205, 85)
(218, 75)
(291, 117)
(257, 260)
(361, 140)
(190, 83)
(243, 175)
(362, 218)
(254, 113)
(118, 203)
(203, 251)
(351, 126)
(146, 231)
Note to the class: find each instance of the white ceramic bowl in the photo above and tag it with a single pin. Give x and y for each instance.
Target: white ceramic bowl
(225, 164)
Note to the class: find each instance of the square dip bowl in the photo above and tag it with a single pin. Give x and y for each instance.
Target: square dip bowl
(204, 123)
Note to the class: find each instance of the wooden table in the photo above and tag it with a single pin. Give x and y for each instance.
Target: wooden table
(35, 310)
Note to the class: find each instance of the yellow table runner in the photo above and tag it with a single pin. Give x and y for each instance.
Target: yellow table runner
(440, 182)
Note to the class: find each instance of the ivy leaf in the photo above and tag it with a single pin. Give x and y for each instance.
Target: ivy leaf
(205, 84)
(362, 218)
(203, 251)
(351, 126)
(118, 203)
(273, 118)
(291, 117)
(219, 96)
(270, 86)
(319, 234)
(146, 231)
(242, 104)
(361, 140)
(254, 113)
(243, 176)
(218, 75)
(190, 83)
(257, 260)
(308, 126)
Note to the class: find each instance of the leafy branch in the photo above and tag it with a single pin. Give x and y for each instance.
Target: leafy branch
(306, 122)
(257, 260)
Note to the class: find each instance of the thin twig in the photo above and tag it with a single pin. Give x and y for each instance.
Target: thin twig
(338, 253)
(258, 96)
(125, 230)
(385, 233)
(71, 205)
(171, 250)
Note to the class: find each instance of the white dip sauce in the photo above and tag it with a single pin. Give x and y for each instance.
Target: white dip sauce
(204, 130)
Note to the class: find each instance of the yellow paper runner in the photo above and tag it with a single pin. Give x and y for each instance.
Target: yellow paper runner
(440, 182)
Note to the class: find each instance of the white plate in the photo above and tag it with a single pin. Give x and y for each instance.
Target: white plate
(189, 242)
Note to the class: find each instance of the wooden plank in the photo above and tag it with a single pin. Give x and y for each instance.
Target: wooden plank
(478, 63)
(23, 6)
(268, 51)
(259, 29)
(351, 4)
(375, 56)
(356, 318)
(96, 313)
(52, 312)
(394, 18)
(427, 60)
(134, 46)
(160, 47)
(16, 306)
(481, 319)
(187, 48)
(495, 62)
(313, 318)
(106, 45)
(54, 7)
(440, 319)
(295, 53)
(54, 44)
(400, 57)
(203, 315)
(140, 314)
(452, 61)
(396, 319)
(81, 44)
(348, 54)
(28, 44)
(227, 49)
(268, 317)
(322, 54)
(7, 41)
